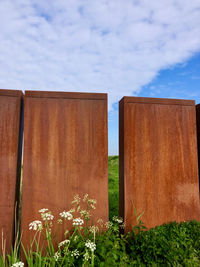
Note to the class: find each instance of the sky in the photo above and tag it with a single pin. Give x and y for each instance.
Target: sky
(120, 47)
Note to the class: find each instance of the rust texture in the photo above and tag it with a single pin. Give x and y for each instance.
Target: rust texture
(198, 135)
(10, 158)
(65, 153)
(158, 160)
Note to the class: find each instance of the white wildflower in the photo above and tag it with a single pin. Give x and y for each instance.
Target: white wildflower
(76, 200)
(117, 219)
(56, 256)
(66, 215)
(109, 225)
(66, 232)
(85, 197)
(78, 221)
(92, 201)
(122, 226)
(65, 242)
(86, 256)
(72, 210)
(89, 244)
(47, 216)
(43, 210)
(85, 214)
(75, 253)
(93, 229)
(35, 225)
(18, 264)
(100, 221)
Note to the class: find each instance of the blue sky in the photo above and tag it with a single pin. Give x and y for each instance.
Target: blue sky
(123, 48)
(182, 81)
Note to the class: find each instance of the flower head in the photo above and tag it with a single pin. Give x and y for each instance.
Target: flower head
(85, 198)
(56, 256)
(75, 253)
(18, 264)
(109, 225)
(76, 200)
(47, 216)
(89, 244)
(85, 214)
(78, 221)
(35, 225)
(117, 219)
(66, 215)
(65, 242)
(93, 229)
(43, 210)
(86, 256)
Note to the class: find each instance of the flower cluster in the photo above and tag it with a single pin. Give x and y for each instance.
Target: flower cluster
(75, 253)
(78, 222)
(85, 198)
(66, 215)
(89, 244)
(76, 200)
(86, 256)
(117, 219)
(109, 225)
(65, 242)
(35, 225)
(43, 210)
(85, 214)
(56, 256)
(93, 229)
(18, 264)
(92, 203)
(47, 216)
(100, 221)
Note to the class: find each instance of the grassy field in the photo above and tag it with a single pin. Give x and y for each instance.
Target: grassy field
(113, 174)
(171, 244)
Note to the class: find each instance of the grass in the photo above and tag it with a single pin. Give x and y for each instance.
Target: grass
(113, 175)
(171, 244)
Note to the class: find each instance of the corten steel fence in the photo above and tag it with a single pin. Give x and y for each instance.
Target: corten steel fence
(65, 153)
(198, 134)
(158, 160)
(10, 159)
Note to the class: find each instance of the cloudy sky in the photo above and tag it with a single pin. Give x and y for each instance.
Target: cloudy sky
(121, 47)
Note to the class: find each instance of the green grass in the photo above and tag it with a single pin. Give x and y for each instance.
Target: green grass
(113, 174)
(172, 244)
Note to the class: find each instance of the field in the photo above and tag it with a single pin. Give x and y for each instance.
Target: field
(172, 244)
(113, 174)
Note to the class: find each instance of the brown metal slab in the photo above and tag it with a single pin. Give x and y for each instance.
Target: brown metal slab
(198, 134)
(10, 110)
(65, 153)
(158, 161)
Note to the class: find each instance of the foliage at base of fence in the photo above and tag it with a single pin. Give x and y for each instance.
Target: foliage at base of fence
(103, 244)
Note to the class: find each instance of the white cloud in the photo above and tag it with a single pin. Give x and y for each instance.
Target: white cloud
(112, 46)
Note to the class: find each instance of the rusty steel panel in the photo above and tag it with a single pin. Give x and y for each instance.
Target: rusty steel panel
(65, 153)
(158, 160)
(198, 135)
(10, 112)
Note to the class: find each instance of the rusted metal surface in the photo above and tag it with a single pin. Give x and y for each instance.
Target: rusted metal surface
(198, 135)
(65, 153)
(158, 160)
(10, 136)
